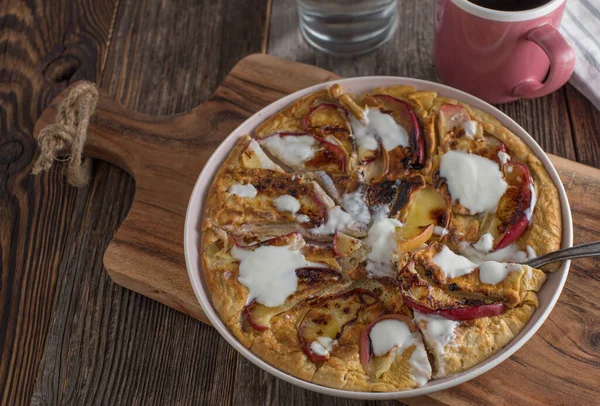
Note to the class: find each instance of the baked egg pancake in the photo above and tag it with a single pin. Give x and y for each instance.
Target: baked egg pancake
(376, 241)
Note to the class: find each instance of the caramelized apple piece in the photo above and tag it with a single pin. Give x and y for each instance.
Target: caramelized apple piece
(408, 243)
(344, 245)
(326, 320)
(404, 115)
(427, 207)
(310, 281)
(366, 351)
(460, 313)
(513, 206)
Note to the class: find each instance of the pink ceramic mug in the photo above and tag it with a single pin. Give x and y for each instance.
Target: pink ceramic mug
(502, 56)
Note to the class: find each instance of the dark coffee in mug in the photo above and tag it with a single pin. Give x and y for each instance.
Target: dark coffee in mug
(510, 5)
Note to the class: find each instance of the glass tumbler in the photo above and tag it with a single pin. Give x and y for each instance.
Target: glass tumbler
(347, 27)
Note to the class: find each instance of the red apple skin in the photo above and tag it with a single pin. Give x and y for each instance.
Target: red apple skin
(365, 342)
(248, 314)
(518, 222)
(460, 313)
(306, 120)
(405, 116)
(455, 113)
(513, 233)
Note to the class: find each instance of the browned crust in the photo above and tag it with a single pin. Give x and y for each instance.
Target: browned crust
(280, 346)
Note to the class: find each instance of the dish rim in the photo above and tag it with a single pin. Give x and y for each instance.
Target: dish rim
(195, 213)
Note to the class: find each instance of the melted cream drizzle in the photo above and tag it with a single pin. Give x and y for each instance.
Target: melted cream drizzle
(293, 150)
(485, 243)
(503, 157)
(451, 264)
(381, 242)
(270, 272)
(243, 190)
(438, 332)
(492, 272)
(380, 126)
(476, 182)
(322, 345)
(287, 203)
(337, 219)
(355, 205)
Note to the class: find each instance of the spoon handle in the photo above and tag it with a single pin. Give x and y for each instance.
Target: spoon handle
(579, 251)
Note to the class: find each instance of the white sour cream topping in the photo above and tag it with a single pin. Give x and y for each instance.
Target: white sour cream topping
(287, 203)
(476, 182)
(337, 219)
(438, 332)
(440, 231)
(265, 161)
(503, 157)
(382, 245)
(492, 272)
(511, 253)
(380, 126)
(529, 211)
(270, 272)
(420, 368)
(470, 128)
(531, 254)
(389, 334)
(243, 190)
(485, 243)
(293, 150)
(355, 205)
(322, 345)
(453, 265)
(302, 218)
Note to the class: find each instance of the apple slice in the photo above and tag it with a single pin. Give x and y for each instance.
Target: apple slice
(426, 207)
(460, 313)
(344, 245)
(310, 281)
(326, 115)
(404, 115)
(407, 244)
(294, 241)
(303, 154)
(366, 350)
(513, 206)
(451, 117)
(253, 157)
(325, 321)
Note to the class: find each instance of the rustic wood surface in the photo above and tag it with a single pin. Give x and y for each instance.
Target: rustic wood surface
(70, 336)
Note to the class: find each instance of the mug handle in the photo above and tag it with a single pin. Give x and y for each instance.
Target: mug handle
(562, 62)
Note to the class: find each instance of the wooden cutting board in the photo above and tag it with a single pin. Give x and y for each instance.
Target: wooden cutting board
(166, 154)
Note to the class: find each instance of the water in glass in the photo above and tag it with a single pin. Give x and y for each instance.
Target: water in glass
(347, 27)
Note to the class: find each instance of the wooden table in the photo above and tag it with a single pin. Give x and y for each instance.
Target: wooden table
(68, 335)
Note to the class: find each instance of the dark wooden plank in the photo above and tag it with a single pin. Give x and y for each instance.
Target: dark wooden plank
(43, 47)
(106, 344)
(585, 121)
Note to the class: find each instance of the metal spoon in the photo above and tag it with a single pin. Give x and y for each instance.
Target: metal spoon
(579, 251)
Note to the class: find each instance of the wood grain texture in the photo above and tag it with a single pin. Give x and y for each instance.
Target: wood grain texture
(43, 47)
(108, 345)
(143, 257)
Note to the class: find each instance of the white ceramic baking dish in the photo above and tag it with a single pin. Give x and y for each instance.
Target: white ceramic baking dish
(547, 297)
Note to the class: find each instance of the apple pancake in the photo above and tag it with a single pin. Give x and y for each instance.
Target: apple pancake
(373, 242)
